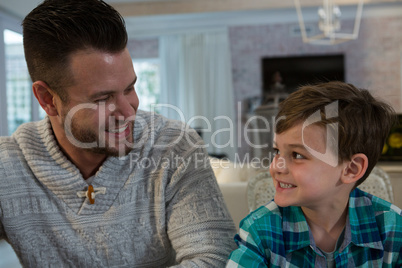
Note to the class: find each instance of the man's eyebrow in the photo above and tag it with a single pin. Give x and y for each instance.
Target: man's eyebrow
(100, 94)
(132, 83)
(109, 92)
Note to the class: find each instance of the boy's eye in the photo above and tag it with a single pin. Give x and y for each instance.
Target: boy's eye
(276, 152)
(298, 156)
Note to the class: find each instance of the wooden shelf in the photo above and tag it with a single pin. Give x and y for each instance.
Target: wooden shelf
(391, 166)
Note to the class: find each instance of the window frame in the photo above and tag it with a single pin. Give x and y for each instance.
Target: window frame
(150, 60)
(8, 22)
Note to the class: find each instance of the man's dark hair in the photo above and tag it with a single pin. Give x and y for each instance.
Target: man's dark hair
(56, 29)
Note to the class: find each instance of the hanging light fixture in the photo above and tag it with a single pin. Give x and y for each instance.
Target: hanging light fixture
(329, 23)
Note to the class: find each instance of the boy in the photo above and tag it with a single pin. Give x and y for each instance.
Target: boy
(328, 139)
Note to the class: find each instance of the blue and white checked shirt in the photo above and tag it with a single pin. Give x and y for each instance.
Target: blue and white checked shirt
(274, 236)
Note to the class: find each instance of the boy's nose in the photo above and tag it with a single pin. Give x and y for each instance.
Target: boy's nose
(278, 165)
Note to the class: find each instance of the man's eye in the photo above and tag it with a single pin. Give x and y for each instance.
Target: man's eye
(129, 90)
(105, 99)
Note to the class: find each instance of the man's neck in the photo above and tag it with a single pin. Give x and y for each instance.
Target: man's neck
(87, 162)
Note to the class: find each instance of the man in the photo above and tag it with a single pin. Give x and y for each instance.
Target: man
(99, 183)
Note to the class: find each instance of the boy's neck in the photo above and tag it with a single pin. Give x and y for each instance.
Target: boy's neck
(326, 226)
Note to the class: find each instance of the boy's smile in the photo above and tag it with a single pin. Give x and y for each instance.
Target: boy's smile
(300, 178)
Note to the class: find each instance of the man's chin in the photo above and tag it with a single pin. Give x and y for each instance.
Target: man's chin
(115, 148)
(114, 152)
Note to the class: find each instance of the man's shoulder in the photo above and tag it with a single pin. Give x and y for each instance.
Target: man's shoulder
(10, 159)
(158, 122)
(7, 144)
(163, 132)
(149, 118)
(11, 146)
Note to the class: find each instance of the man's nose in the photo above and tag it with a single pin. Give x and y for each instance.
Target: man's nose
(125, 106)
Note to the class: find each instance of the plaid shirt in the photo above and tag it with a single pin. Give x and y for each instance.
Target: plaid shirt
(274, 236)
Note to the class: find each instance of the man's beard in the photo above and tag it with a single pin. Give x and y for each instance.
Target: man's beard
(103, 145)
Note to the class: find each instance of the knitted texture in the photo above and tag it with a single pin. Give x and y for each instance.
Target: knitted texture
(162, 205)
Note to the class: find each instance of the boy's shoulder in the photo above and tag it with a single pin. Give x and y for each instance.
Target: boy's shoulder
(361, 198)
(274, 215)
(387, 215)
(277, 228)
(263, 224)
(271, 209)
(382, 206)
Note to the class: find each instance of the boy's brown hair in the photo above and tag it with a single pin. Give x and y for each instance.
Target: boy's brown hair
(363, 121)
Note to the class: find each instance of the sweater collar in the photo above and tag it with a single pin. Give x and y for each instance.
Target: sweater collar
(61, 177)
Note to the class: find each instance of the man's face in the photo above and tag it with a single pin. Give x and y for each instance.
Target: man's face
(102, 103)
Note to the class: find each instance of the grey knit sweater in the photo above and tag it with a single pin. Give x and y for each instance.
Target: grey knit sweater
(156, 207)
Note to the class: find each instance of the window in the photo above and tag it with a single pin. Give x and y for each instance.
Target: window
(17, 102)
(18, 84)
(148, 83)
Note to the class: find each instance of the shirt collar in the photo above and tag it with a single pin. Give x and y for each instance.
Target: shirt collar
(361, 226)
(295, 229)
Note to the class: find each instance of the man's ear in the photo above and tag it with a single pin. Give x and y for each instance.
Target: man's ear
(355, 168)
(45, 97)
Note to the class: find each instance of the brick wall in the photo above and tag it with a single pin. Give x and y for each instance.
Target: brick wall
(146, 48)
(372, 62)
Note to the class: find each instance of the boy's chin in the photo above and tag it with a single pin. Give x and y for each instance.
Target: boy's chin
(283, 203)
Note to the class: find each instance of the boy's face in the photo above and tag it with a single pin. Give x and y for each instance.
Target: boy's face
(300, 178)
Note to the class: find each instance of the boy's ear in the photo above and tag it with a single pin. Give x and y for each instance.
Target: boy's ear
(45, 97)
(355, 168)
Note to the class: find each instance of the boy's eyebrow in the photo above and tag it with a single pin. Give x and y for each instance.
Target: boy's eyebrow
(108, 92)
(301, 146)
(295, 145)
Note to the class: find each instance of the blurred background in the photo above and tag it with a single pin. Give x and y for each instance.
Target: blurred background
(226, 64)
